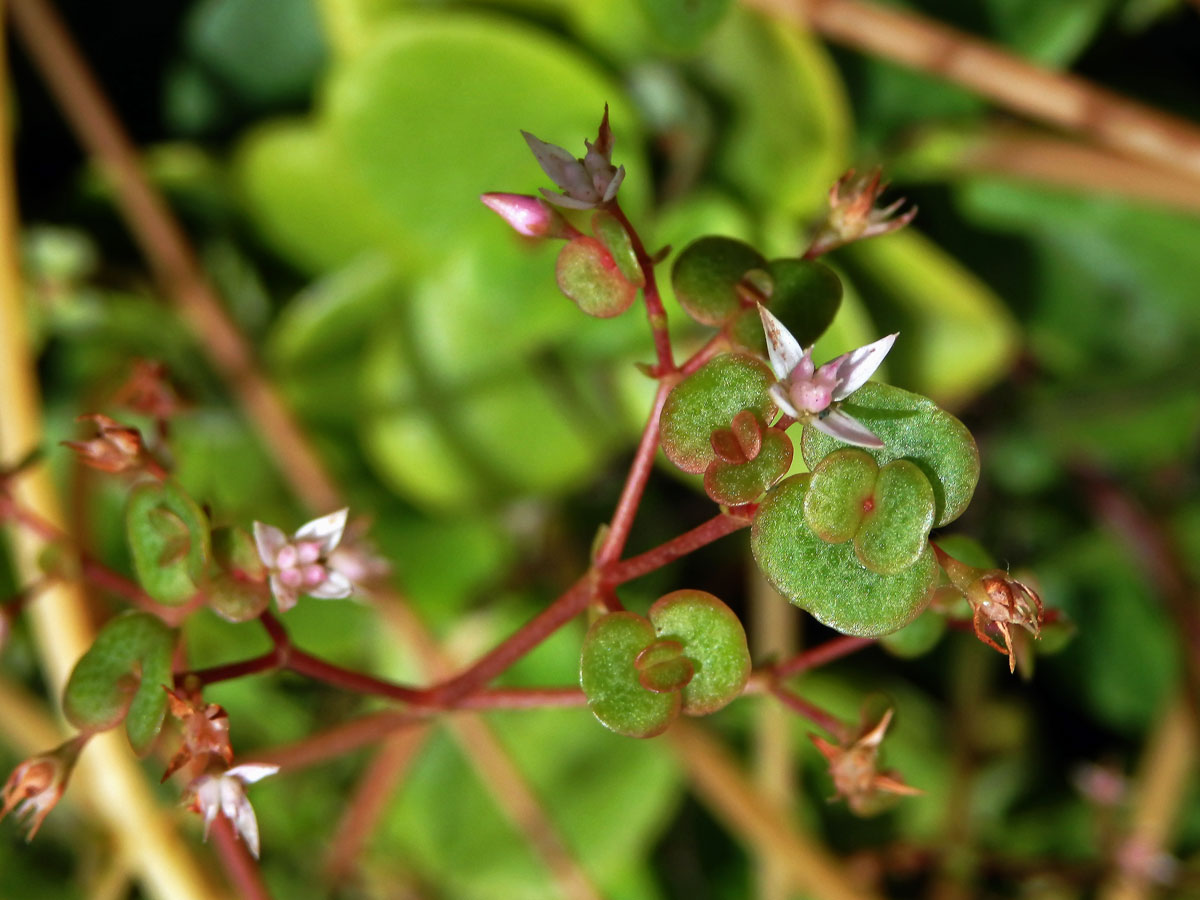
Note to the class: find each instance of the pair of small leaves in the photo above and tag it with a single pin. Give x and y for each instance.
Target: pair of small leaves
(121, 677)
(689, 656)
(749, 459)
(601, 274)
(886, 511)
(717, 281)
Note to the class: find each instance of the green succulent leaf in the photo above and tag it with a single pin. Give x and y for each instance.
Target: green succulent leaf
(916, 638)
(707, 400)
(237, 587)
(733, 484)
(706, 274)
(895, 531)
(713, 638)
(612, 234)
(829, 580)
(588, 274)
(121, 677)
(842, 484)
(610, 678)
(662, 667)
(169, 540)
(916, 429)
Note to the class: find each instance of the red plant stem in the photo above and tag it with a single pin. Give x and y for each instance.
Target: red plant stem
(239, 865)
(566, 607)
(635, 484)
(716, 344)
(524, 698)
(268, 662)
(654, 306)
(642, 564)
(820, 656)
(810, 711)
(351, 680)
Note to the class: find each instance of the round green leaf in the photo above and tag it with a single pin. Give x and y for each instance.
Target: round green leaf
(609, 677)
(914, 428)
(662, 667)
(895, 531)
(916, 638)
(122, 676)
(828, 580)
(806, 296)
(842, 486)
(168, 537)
(237, 588)
(735, 484)
(587, 273)
(713, 639)
(706, 273)
(708, 399)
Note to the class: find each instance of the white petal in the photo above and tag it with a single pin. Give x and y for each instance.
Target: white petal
(846, 428)
(269, 540)
(856, 367)
(614, 184)
(248, 773)
(779, 397)
(566, 202)
(327, 530)
(784, 350)
(285, 597)
(247, 826)
(232, 797)
(562, 167)
(334, 587)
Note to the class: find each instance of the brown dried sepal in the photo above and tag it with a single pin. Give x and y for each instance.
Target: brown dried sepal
(205, 728)
(855, 772)
(115, 448)
(999, 602)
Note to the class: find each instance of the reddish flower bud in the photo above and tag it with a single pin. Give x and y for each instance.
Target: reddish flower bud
(528, 215)
(116, 448)
(853, 215)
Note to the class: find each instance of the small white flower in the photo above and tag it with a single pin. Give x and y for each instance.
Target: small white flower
(225, 793)
(585, 183)
(810, 395)
(300, 564)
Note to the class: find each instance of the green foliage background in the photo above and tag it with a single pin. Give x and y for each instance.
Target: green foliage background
(327, 156)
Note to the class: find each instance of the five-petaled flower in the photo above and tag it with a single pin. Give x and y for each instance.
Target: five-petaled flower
(300, 564)
(811, 395)
(585, 183)
(225, 793)
(35, 785)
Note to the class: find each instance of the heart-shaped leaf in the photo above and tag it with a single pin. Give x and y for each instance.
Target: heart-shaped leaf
(895, 531)
(707, 400)
(169, 540)
(803, 294)
(706, 274)
(662, 667)
(610, 679)
(121, 677)
(842, 487)
(732, 484)
(914, 428)
(588, 274)
(714, 640)
(829, 580)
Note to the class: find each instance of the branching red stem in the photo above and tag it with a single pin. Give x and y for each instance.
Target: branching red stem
(810, 711)
(819, 656)
(654, 306)
(642, 564)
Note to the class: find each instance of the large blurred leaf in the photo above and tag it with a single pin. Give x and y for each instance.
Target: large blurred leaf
(429, 117)
(609, 796)
(956, 337)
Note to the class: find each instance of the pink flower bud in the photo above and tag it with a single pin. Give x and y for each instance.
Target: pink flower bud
(527, 215)
(35, 785)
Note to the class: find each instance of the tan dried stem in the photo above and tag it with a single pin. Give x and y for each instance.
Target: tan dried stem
(1058, 99)
(107, 774)
(1168, 763)
(174, 262)
(763, 828)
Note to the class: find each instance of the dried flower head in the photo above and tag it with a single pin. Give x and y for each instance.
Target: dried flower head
(35, 785)
(205, 728)
(116, 447)
(853, 215)
(225, 793)
(300, 564)
(855, 772)
(148, 391)
(998, 602)
(811, 395)
(585, 183)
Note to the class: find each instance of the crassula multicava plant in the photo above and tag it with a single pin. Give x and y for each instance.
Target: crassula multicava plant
(839, 479)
